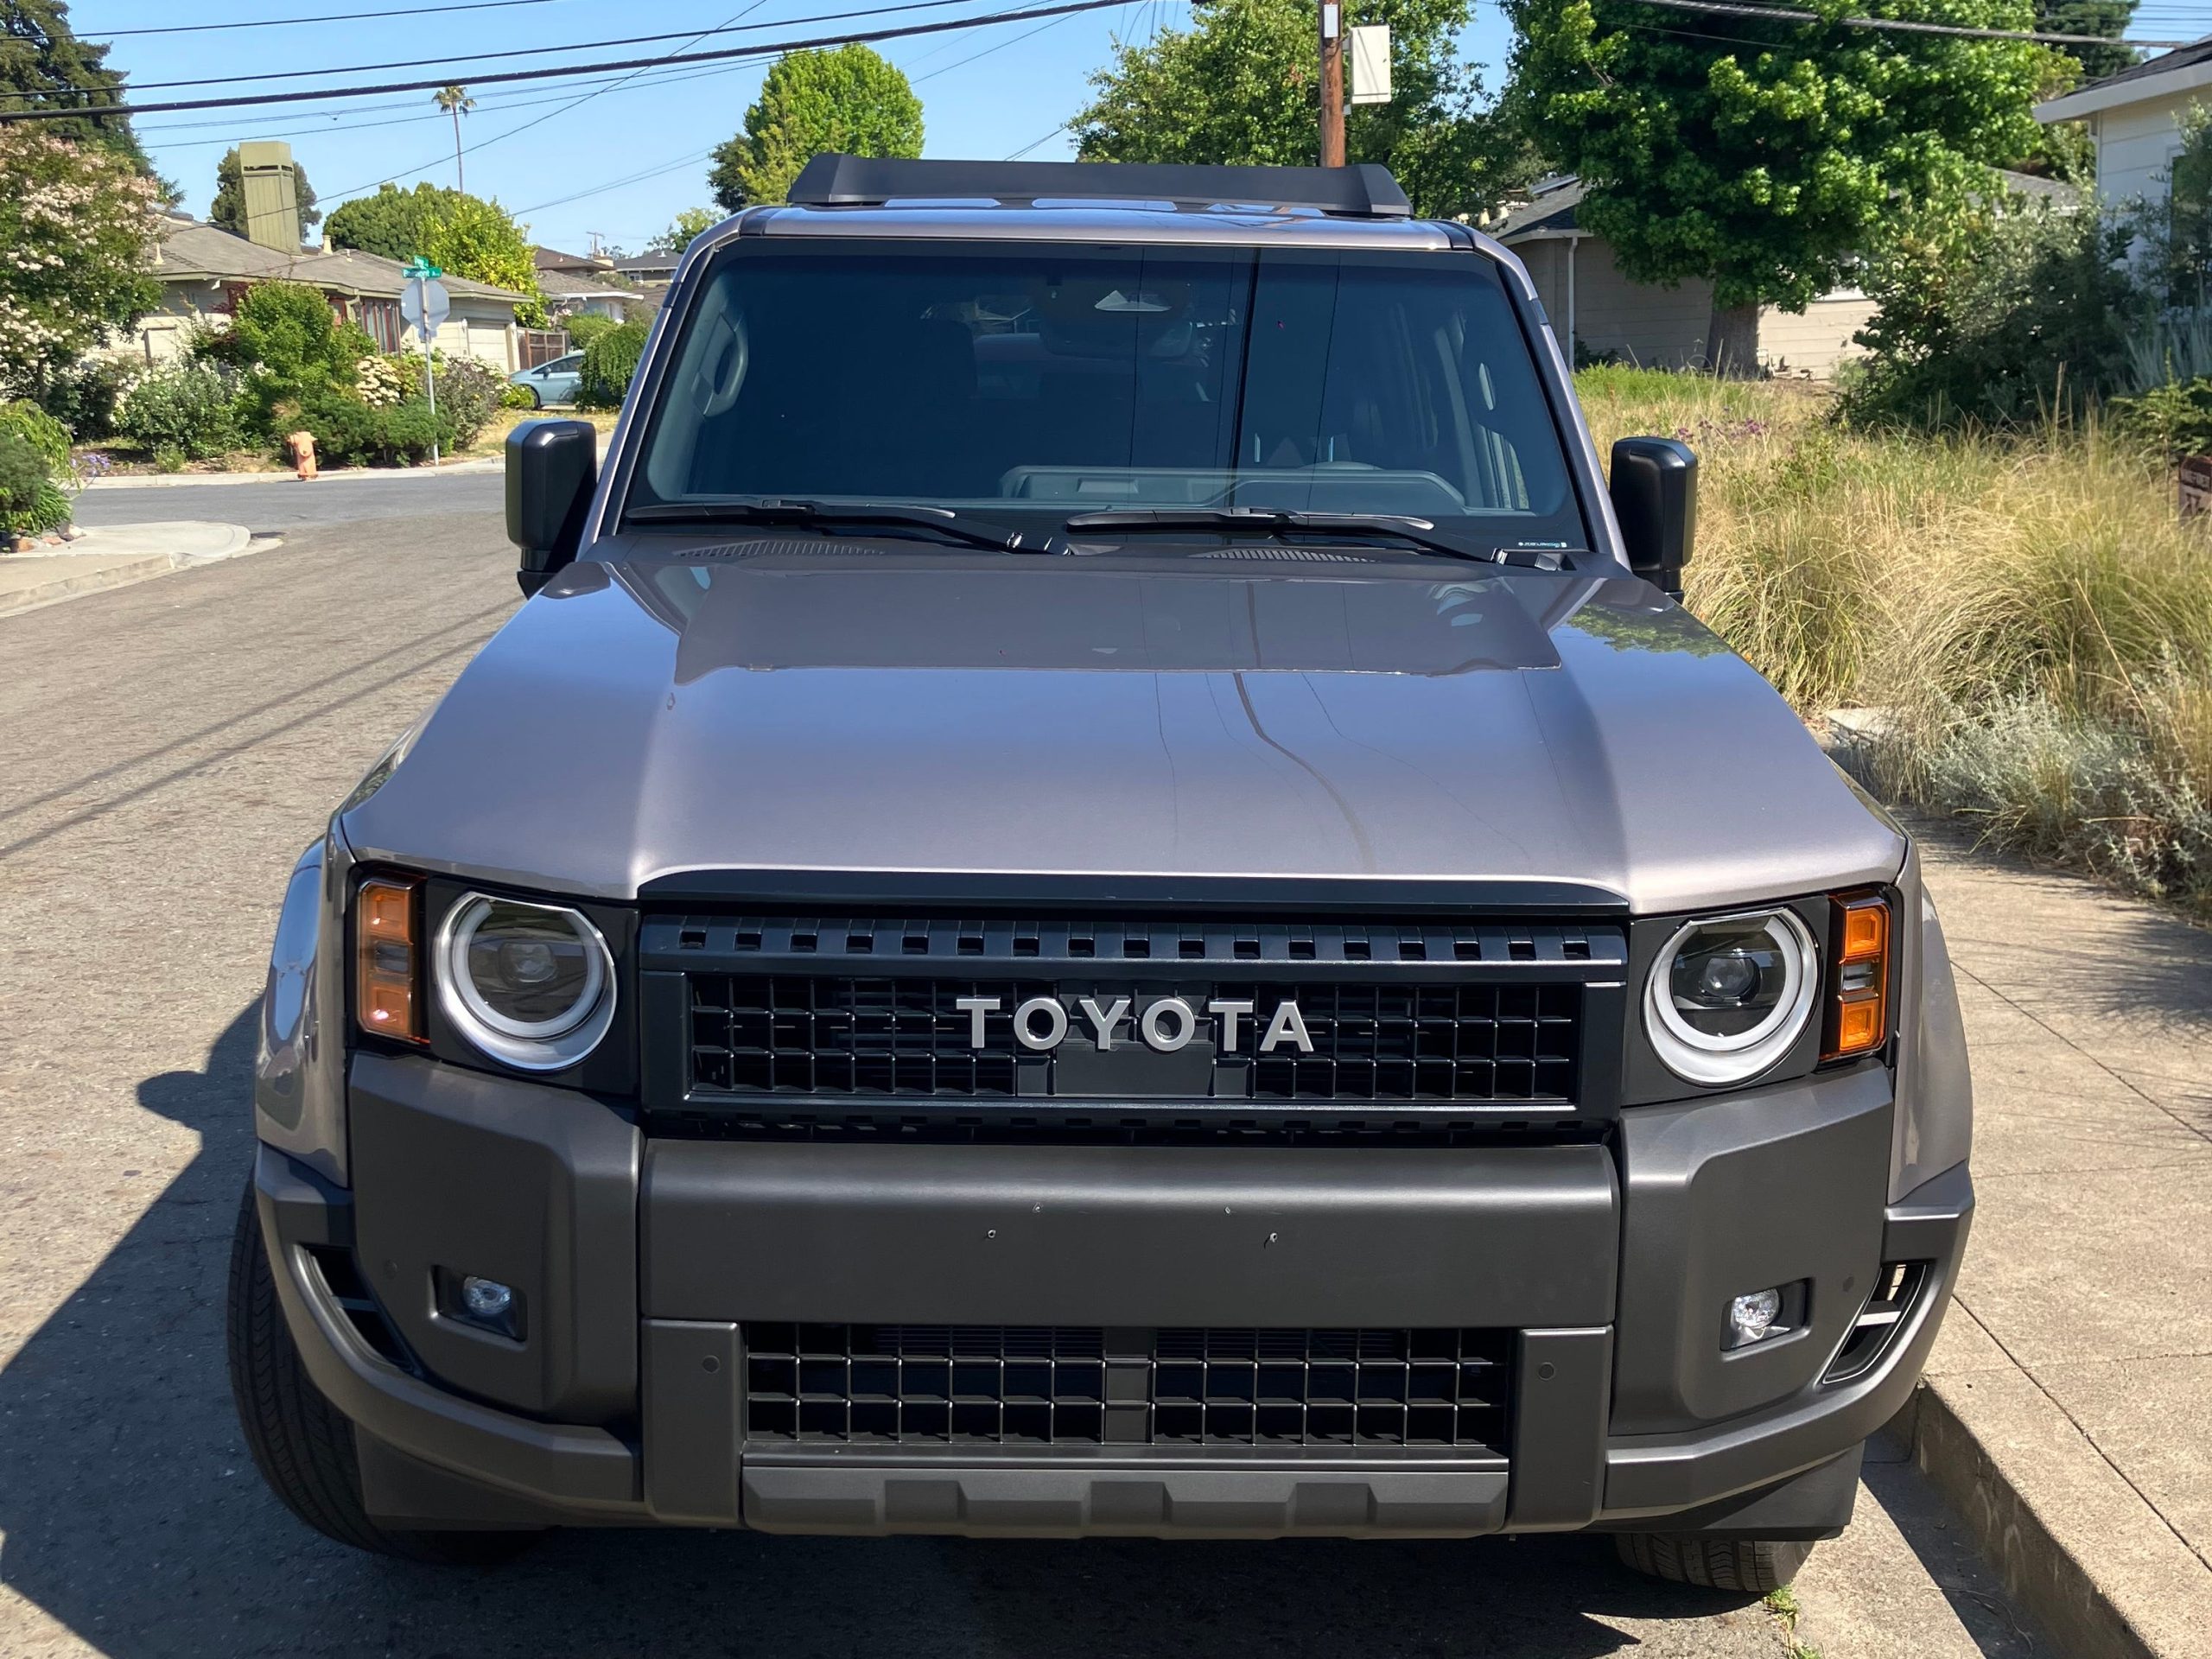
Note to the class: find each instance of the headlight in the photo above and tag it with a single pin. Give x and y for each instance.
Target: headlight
(530, 984)
(1728, 997)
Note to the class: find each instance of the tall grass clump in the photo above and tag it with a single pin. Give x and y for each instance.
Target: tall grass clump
(2027, 610)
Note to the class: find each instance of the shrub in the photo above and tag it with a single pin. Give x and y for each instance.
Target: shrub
(516, 398)
(38, 444)
(2013, 316)
(22, 476)
(585, 326)
(469, 394)
(2173, 419)
(467, 391)
(289, 344)
(83, 395)
(350, 433)
(610, 360)
(192, 407)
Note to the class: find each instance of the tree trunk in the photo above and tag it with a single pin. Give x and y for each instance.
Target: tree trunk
(1732, 342)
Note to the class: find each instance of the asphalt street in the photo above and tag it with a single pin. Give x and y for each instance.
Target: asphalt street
(165, 751)
(283, 503)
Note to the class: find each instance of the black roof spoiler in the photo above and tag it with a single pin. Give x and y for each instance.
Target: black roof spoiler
(1364, 192)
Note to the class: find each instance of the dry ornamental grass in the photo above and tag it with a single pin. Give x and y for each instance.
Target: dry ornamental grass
(2030, 613)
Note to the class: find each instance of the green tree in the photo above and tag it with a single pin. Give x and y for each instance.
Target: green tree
(465, 235)
(2109, 18)
(1241, 86)
(681, 229)
(1769, 161)
(44, 65)
(76, 237)
(847, 99)
(227, 211)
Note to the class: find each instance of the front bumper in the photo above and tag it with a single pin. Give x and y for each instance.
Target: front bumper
(639, 1263)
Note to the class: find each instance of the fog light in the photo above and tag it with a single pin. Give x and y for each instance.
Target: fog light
(487, 1299)
(1750, 1318)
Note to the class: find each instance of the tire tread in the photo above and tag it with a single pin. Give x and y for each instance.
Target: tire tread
(302, 1444)
(1752, 1567)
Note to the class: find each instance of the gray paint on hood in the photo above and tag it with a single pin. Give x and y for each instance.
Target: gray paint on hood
(1403, 721)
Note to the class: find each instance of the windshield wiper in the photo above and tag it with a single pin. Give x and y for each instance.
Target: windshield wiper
(1274, 521)
(940, 522)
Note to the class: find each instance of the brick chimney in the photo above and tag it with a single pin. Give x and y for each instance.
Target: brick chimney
(270, 184)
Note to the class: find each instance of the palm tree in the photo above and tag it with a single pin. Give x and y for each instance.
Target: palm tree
(456, 102)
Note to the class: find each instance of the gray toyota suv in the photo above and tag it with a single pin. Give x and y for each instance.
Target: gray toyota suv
(1101, 891)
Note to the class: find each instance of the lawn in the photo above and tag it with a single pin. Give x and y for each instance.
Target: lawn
(2028, 615)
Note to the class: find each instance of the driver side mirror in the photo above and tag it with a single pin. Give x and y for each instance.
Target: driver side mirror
(1655, 498)
(552, 467)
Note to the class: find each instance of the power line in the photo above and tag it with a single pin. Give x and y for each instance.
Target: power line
(1034, 142)
(1894, 25)
(999, 47)
(691, 37)
(288, 23)
(722, 54)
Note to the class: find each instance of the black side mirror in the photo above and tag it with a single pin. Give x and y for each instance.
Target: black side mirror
(552, 467)
(1655, 498)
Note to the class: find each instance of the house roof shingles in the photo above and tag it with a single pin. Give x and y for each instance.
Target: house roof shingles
(190, 249)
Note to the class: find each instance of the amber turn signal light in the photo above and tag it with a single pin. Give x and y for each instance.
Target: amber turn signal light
(387, 961)
(1859, 1005)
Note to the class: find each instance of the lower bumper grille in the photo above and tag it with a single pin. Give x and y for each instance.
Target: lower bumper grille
(993, 1385)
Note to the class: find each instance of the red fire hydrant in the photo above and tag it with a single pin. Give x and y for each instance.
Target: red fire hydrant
(304, 454)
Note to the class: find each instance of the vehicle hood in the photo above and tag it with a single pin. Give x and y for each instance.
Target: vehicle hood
(747, 708)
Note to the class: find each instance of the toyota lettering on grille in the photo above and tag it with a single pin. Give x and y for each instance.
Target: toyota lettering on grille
(1043, 1023)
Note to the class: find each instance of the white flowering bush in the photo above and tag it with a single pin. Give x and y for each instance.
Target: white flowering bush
(378, 381)
(76, 231)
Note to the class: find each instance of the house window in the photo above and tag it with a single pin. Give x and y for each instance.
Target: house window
(381, 318)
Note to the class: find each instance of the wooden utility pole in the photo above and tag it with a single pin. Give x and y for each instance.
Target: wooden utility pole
(1333, 84)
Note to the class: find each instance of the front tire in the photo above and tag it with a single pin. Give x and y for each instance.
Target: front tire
(1752, 1567)
(301, 1443)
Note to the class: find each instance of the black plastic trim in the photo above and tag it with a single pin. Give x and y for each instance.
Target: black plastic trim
(986, 891)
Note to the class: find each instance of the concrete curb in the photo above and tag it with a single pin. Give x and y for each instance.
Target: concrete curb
(2074, 1545)
(91, 582)
(69, 577)
(191, 481)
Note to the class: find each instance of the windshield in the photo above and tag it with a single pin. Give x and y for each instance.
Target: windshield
(1030, 383)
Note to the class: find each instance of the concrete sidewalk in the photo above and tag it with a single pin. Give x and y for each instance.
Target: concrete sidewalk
(112, 557)
(2067, 1411)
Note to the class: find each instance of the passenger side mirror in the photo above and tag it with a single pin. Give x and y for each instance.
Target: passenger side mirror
(551, 468)
(1655, 498)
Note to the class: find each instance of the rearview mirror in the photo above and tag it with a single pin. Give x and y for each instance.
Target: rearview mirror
(552, 467)
(1655, 498)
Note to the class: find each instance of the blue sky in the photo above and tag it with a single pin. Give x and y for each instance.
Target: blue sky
(985, 93)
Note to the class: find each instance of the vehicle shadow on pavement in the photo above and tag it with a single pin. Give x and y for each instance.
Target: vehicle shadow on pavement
(134, 1517)
(2135, 960)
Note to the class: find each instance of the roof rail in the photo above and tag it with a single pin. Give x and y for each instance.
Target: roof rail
(1364, 192)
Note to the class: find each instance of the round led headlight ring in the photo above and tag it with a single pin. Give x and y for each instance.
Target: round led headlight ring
(531, 985)
(1729, 994)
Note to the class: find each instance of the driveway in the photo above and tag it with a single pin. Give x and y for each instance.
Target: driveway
(165, 751)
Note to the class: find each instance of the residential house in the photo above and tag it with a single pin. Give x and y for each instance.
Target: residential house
(587, 283)
(2134, 118)
(645, 269)
(1598, 313)
(203, 270)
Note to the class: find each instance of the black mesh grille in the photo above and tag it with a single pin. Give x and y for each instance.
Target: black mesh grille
(836, 1035)
(997, 1385)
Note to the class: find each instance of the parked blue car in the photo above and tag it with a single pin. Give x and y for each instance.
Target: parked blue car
(552, 382)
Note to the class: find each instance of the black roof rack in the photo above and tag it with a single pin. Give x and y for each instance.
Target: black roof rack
(1362, 192)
